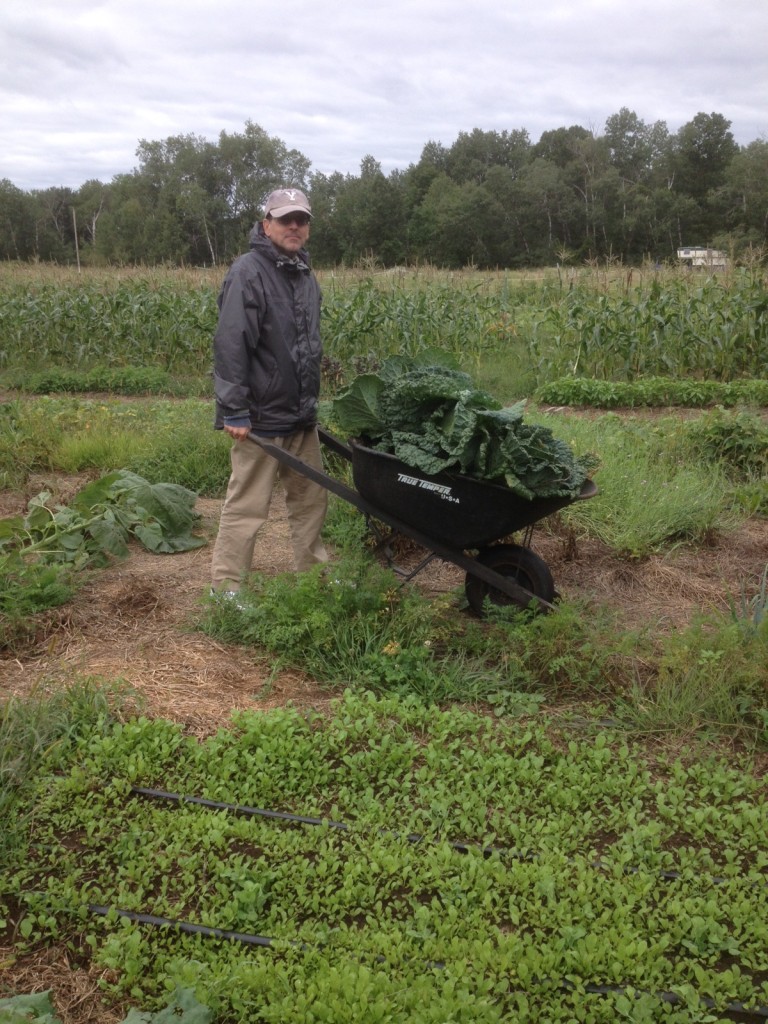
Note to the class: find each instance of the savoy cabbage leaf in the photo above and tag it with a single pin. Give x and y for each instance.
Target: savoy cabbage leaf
(433, 418)
(357, 408)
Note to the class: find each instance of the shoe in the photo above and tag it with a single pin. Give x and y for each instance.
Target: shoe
(231, 597)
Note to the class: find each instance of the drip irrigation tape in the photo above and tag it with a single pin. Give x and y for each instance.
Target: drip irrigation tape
(187, 926)
(301, 819)
(413, 837)
(672, 998)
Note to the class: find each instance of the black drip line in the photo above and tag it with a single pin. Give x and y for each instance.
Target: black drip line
(412, 837)
(735, 1009)
(672, 998)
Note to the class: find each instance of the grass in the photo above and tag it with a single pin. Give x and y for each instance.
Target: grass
(653, 493)
(170, 441)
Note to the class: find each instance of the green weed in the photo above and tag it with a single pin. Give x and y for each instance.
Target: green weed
(647, 501)
(751, 612)
(27, 589)
(737, 441)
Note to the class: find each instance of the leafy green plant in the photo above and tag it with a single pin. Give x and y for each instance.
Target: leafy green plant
(651, 391)
(122, 380)
(418, 852)
(28, 1009)
(42, 552)
(101, 518)
(38, 1009)
(183, 1009)
(433, 418)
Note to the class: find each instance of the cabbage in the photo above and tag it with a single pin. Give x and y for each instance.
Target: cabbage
(433, 418)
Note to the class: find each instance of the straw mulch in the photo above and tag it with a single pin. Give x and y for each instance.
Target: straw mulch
(134, 621)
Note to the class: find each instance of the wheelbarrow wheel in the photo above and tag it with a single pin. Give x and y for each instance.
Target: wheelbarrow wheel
(517, 563)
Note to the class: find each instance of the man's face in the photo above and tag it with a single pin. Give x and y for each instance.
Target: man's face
(288, 233)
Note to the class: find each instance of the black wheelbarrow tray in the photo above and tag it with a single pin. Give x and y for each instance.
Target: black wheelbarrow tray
(450, 516)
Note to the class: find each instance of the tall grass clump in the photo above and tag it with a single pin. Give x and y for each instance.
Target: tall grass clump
(738, 441)
(708, 678)
(27, 443)
(162, 441)
(735, 443)
(27, 588)
(191, 454)
(649, 499)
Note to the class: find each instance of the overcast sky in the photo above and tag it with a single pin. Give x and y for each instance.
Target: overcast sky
(82, 81)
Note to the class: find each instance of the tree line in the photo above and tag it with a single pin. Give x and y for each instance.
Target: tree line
(491, 199)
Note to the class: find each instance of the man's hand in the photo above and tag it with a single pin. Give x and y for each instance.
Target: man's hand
(238, 433)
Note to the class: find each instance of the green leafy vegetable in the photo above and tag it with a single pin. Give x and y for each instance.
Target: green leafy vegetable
(434, 418)
(36, 1008)
(101, 519)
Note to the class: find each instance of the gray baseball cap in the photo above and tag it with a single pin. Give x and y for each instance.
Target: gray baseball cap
(286, 200)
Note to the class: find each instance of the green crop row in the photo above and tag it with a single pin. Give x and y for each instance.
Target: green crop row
(714, 329)
(673, 326)
(594, 885)
(653, 392)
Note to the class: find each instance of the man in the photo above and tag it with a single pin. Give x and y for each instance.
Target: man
(267, 354)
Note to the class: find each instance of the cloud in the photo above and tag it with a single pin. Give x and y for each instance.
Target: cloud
(84, 81)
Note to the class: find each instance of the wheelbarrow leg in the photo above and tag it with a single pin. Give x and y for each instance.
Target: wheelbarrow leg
(383, 547)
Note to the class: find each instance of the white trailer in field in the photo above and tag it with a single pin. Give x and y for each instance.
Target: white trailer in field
(699, 257)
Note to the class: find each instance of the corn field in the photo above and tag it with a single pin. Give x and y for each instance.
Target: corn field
(587, 325)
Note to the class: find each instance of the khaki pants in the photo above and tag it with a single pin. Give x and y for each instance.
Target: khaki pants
(246, 507)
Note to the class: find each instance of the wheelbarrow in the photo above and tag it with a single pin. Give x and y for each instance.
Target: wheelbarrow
(455, 518)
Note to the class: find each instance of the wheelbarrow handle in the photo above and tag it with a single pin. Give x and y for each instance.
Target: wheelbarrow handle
(334, 443)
